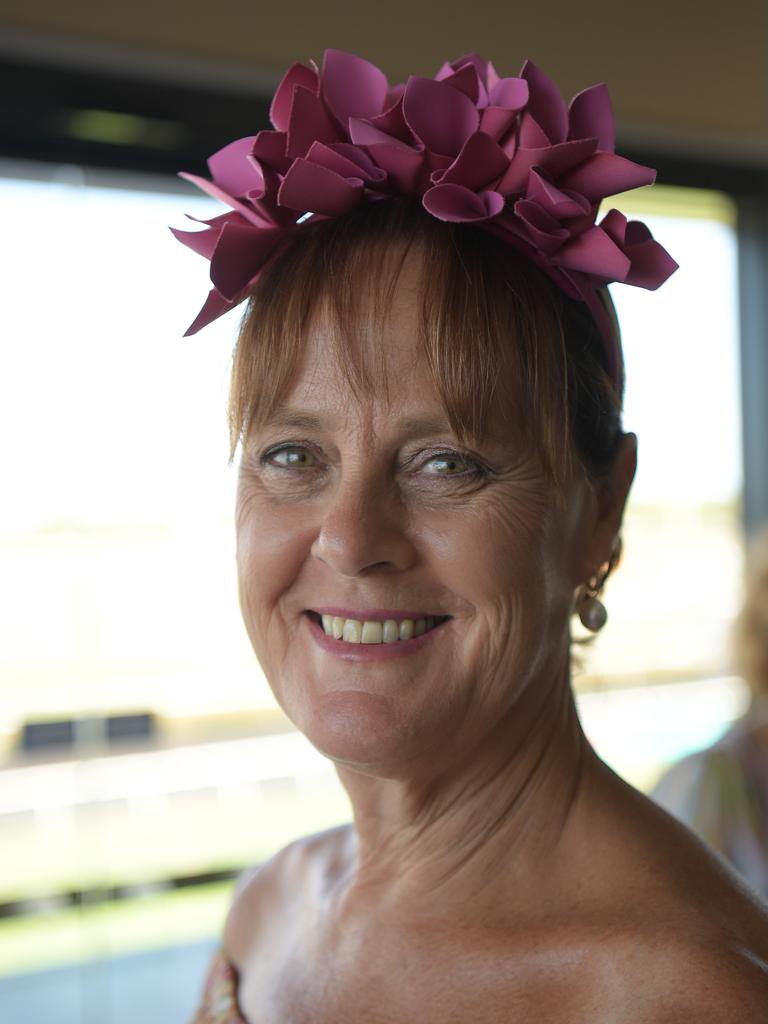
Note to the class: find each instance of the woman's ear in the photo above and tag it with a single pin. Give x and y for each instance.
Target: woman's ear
(611, 493)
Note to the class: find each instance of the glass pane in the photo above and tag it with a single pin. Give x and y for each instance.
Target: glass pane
(138, 738)
(673, 597)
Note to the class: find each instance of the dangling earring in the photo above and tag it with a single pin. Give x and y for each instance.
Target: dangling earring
(591, 610)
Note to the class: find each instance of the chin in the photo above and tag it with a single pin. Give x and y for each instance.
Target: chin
(361, 730)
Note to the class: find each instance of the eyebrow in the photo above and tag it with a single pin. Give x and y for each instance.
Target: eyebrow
(412, 427)
(290, 418)
(428, 425)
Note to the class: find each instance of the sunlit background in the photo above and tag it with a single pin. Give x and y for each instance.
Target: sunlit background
(118, 587)
(143, 761)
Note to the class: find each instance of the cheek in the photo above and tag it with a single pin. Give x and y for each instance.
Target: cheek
(494, 554)
(506, 564)
(273, 544)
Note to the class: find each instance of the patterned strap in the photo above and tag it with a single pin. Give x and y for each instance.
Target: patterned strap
(219, 1001)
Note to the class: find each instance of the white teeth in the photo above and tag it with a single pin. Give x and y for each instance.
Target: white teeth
(391, 631)
(373, 633)
(354, 631)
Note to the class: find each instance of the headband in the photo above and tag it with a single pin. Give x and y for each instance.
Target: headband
(503, 153)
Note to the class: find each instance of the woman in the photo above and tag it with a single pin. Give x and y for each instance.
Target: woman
(426, 394)
(722, 792)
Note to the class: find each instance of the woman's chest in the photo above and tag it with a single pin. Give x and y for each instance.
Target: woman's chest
(437, 983)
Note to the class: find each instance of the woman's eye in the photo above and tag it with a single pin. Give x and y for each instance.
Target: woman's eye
(449, 465)
(292, 458)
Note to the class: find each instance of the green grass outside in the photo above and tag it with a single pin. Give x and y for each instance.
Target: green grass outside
(74, 936)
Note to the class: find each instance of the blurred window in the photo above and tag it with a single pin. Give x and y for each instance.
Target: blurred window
(136, 731)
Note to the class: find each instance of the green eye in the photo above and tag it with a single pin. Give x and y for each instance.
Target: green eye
(448, 465)
(293, 458)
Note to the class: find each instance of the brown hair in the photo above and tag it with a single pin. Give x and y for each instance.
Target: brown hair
(497, 333)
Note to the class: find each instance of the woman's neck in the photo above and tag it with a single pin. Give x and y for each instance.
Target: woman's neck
(498, 820)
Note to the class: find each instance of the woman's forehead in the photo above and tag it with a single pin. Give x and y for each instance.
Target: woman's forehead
(372, 352)
(396, 384)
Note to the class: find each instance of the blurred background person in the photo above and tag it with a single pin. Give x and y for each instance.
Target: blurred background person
(722, 791)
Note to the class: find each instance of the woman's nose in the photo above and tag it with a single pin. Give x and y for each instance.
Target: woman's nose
(363, 527)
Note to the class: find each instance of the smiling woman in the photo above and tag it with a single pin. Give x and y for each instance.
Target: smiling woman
(361, 501)
(432, 481)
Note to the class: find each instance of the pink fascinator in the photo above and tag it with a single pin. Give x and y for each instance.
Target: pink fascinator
(506, 154)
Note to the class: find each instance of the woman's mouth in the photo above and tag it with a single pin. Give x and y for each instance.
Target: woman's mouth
(376, 631)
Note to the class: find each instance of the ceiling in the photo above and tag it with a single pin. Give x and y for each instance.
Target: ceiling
(685, 77)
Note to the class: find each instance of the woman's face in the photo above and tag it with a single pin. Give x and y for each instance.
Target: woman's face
(365, 510)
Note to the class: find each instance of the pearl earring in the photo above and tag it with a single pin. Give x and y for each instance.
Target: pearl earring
(591, 610)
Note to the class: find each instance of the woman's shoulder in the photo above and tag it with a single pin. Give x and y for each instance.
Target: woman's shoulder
(665, 977)
(266, 893)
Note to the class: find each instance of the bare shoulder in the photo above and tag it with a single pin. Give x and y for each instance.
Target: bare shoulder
(678, 978)
(288, 881)
(670, 931)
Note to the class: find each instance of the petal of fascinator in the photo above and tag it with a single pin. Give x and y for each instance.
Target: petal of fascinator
(510, 93)
(466, 80)
(456, 203)
(239, 256)
(231, 169)
(309, 122)
(394, 94)
(558, 204)
(497, 122)
(333, 159)
(404, 164)
(485, 70)
(213, 307)
(263, 201)
(508, 98)
(651, 263)
(492, 77)
(439, 116)
(297, 74)
(311, 188)
(605, 174)
(614, 224)
(365, 133)
(546, 104)
(269, 182)
(591, 117)
(392, 122)
(531, 135)
(436, 164)
(480, 162)
(365, 167)
(271, 148)
(555, 160)
(213, 190)
(593, 252)
(352, 86)
(202, 242)
(546, 233)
